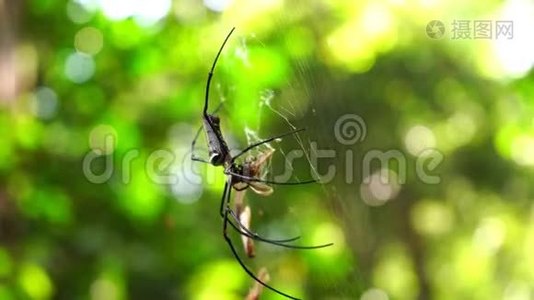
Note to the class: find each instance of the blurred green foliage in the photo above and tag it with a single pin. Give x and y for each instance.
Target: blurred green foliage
(117, 82)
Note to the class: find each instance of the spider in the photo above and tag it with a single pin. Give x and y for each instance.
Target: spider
(240, 177)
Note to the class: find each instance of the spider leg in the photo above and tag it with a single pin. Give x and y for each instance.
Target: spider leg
(210, 74)
(194, 158)
(225, 201)
(247, 270)
(245, 231)
(240, 189)
(241, 229)
(248, 178)
(250, 147)
(234, 251)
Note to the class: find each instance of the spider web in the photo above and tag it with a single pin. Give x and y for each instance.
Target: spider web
(291, 210)
(287, 112)
(281, 110)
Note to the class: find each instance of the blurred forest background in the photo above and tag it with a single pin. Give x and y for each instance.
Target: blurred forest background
(90, 89)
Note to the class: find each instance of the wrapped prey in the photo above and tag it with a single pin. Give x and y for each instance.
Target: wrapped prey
(248, 243)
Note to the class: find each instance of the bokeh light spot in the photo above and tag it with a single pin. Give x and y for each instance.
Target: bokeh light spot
(523, 149)
(103, 289)
(117, 9)
(380, 187)
(44, 103)
(188, 186)
(103, 138)
(89, 40)
(208, 283)
(377, 19)
(186, 190)
(505, 136)
(460, 122)
(217, 5)
(331, 233)
(419, 138)
(431, 217)
(28, 131)
(78, 13)
(395, 273)
(141, 197)
(352, 53)
(148, 13)
(35, 282)
(79, 67)
(145, 13)
(490, 234)
(374, 294)
(517, 290)
(516, 54)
